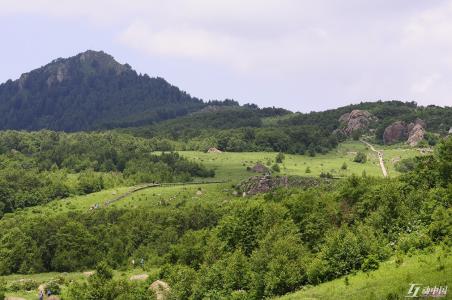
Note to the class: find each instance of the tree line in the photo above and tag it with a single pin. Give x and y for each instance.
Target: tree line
(248, 248)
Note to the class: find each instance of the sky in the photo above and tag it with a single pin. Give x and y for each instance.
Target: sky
(300, 55)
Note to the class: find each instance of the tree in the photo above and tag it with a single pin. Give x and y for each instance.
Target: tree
(279, 158)
(360, 157)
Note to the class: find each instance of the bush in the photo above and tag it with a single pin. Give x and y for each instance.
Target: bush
(370, 264)
(344, 166)
(280, 157)
(360, 157)
(326, 175)
(308, 170)
(23, 285)
(2, 288)
(406, 165)
(53, 287)
(412, 241)
(276, 168)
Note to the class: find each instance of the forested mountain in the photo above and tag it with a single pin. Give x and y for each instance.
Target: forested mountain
(89, 91)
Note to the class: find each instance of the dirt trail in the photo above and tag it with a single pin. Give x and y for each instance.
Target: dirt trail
(380, 158)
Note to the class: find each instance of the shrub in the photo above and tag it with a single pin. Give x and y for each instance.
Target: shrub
(280, 157)
(406, 165)
(308, 170)
(276, 168)
(326, 175)
(344, 166)
(53, 287)
(370, 263)
(360, 157)
(23, 285)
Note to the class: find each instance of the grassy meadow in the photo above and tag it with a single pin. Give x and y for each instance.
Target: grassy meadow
(390, 281)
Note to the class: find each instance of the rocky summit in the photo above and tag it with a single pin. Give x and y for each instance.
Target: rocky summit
(356, 120)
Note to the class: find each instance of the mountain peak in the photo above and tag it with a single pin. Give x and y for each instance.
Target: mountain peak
(89, 62)
(87, 91)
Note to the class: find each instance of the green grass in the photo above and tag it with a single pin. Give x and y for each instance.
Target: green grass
(175, 195)
(389, 278)
(231, 167)
(233, 164)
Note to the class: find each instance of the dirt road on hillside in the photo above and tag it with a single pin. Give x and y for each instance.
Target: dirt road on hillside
(380, 158)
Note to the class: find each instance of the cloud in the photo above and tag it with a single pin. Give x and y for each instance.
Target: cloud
(325, 50)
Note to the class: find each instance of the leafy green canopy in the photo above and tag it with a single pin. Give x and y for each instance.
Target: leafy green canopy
(246, 249)
(41, 166)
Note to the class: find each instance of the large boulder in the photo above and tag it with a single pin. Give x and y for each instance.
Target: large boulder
(160, 289)
(396, 132)
(259, 168)
(416, 132)
(399, 131)
(356, 120)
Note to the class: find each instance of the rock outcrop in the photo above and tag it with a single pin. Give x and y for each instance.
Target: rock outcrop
(394, 133)
(214, 150)
(356, 120)
(161, 289)
(259, 168)
(399, 131)
(262, 184)
(416, 132)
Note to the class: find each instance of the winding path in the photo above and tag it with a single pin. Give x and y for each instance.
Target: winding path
(380, 158)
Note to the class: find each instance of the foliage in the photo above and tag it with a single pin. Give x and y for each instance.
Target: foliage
(89, 91)
(360, 157)
(251, 248)
(41, 166)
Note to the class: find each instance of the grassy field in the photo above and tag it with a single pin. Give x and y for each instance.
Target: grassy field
(232, 165)
(390, 280)
(232, 168)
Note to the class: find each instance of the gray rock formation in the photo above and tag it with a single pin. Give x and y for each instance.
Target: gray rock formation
(356, 120)
(399, 131)
(416, 132)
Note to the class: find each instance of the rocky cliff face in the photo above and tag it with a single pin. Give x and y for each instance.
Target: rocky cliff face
(356, 120)
(399, 131)
(416, 132)
(395, 132)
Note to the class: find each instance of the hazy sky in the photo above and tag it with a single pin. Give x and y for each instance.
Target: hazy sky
(301, 55)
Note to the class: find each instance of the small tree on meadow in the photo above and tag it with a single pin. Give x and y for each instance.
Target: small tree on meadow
(360, 157)
(279, 158)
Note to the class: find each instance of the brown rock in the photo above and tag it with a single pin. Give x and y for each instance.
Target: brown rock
(395, 132)
(214, 150)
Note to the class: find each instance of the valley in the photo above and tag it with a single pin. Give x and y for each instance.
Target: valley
(117, 185)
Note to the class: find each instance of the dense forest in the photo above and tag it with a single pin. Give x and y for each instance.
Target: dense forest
(239, 128)
(248, 248)
(89, 91)
(38, 167)
(235, 128)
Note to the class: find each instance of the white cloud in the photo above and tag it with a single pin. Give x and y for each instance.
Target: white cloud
(354, 49)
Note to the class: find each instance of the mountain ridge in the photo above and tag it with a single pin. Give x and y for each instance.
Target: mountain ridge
(89, 91)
